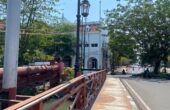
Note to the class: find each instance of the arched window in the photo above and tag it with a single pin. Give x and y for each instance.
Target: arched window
(92, 63)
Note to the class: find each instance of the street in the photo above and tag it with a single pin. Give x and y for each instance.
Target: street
(154, 92)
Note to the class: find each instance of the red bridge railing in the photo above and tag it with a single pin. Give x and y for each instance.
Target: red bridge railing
(31, 75)
(78, 92)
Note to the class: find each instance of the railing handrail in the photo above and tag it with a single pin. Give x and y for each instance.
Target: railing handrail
(32, 75)
(40, 97)
(32, 69)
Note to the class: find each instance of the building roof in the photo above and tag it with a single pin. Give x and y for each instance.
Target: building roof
(91, 26)
(2, 25)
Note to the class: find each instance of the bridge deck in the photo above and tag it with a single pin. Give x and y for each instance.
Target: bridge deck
(113, 96)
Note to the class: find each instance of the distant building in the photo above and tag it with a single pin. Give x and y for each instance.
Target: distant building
(2, 25)
(95, 45)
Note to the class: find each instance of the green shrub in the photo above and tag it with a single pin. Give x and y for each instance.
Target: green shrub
(69, 72)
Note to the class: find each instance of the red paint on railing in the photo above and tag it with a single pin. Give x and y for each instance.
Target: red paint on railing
(29, 75)
(82, 90)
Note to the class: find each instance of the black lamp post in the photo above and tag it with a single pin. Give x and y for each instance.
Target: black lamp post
(85, 11)
(85, 5)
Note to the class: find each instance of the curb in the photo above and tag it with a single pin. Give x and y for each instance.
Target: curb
(138, 100)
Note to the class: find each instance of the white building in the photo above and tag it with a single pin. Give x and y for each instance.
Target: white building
(95, 46)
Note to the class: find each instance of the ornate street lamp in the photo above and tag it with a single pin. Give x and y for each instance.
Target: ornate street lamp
(85, 12)
(85, 5)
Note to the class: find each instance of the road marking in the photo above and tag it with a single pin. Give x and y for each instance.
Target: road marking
(136, 95)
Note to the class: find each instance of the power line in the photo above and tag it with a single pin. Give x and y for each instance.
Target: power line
(42, 33)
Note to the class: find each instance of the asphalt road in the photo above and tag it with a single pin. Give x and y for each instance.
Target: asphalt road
(154, 92)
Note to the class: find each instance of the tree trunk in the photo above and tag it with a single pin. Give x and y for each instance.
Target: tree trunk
(157, 66)
(165, 66)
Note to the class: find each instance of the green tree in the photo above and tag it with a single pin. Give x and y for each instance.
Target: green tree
(47, 40)
(121, 46)
(1, 46)
(35, 14)
(62, 43)
(31, 42)
(31, 10)
(168, 61)
(148, 24)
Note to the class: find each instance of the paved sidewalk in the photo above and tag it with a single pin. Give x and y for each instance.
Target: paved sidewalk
(113, 96)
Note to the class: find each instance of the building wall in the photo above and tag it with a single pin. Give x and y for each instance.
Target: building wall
(94, 34)
(93, 52)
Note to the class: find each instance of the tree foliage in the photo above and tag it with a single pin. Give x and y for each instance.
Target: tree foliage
(148, 23)
(62, 42)
(34, 10)
(121, 46)
(31, 42)
(41, 35)
(44, 42)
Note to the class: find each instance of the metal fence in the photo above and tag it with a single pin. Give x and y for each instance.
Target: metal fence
(79, 92)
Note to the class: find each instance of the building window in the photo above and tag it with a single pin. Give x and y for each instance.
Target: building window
(92, 63)
(86, 45)
(94, 45)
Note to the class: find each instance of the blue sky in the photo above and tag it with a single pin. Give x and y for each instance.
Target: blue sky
(69, 8)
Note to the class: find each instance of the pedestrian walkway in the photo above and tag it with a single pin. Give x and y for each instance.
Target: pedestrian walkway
(113, 96)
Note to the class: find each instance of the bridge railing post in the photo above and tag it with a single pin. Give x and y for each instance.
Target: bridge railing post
(82, 89)
(85, 94)
(38, 106)
(56, 78)
(82, 99)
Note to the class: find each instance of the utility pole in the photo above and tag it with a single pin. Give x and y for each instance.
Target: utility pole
(11, 48)
(100, 10)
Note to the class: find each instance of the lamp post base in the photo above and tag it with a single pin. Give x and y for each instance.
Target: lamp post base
(76, 69)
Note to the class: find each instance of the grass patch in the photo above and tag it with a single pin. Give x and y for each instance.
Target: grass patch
(49, 103)
(64, 106)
